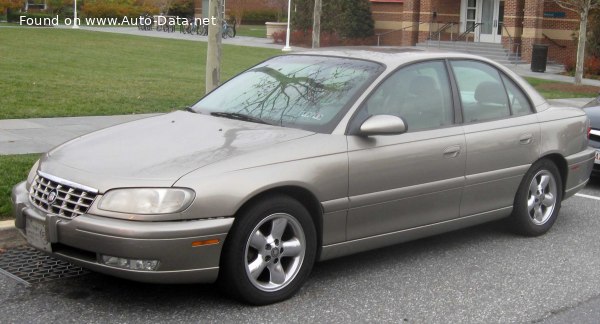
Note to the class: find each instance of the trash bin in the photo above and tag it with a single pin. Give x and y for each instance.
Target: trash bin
(539, 58)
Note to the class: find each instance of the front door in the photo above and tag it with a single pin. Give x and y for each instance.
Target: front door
(491, 18)
(398, 182)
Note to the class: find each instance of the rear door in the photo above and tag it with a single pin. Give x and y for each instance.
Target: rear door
(502, 136)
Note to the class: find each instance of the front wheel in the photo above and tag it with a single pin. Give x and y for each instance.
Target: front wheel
(538, 199)
(269, 251)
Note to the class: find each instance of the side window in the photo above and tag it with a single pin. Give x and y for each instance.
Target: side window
(518, 101)
(481, 91)
(419, 93)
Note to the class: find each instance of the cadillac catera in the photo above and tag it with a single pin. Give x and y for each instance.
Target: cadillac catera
(307, 157)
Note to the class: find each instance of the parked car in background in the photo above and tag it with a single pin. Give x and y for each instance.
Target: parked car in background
(592, 109)
(307, 157)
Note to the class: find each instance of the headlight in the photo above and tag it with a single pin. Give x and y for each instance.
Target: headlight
(33, 172)
(147, 200)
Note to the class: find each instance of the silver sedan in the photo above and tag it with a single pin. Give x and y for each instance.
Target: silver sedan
(307, 157)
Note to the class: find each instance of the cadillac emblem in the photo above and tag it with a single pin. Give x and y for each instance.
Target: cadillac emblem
(52, 196)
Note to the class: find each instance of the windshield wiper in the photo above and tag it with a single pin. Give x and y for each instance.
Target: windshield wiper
(239, 116)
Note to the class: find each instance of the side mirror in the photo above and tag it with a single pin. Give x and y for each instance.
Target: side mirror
(382, 125)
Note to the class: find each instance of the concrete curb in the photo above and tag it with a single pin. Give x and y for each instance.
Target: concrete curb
(9, 236)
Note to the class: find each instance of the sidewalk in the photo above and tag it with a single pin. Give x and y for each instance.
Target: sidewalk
(237, 40)
(38, 135)
(552, 73)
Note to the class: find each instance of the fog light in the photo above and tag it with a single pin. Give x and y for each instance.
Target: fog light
(131, 264)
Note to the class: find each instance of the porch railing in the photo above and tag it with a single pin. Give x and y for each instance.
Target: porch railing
(554, 42)
(442, 29)
(511, 44)
(469, 29)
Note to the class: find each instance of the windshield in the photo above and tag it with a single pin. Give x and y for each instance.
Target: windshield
(306, 92)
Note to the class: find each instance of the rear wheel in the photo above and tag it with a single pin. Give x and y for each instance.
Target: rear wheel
(538, 199)
(230, 32)
(269, 251)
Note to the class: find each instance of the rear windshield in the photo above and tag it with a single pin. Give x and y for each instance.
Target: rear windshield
(300, 91)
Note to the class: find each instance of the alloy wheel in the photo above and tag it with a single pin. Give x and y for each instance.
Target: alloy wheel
(274, 252)
(542, 197)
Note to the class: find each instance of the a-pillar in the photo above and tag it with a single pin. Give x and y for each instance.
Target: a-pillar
(410, 22)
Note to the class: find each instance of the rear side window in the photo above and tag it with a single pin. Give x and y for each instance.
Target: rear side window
(481, 91)
(518, 101)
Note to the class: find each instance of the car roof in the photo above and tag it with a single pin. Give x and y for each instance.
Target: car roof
(390, 56)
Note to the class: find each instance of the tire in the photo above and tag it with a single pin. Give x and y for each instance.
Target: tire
(538, 199)
(282, 259)
(230, 32)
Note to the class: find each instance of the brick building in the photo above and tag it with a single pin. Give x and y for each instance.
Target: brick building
(517, 24)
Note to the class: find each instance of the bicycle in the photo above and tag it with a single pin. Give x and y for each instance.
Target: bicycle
(202, 30)
(228, 30)
(145, 22)
(187, 28)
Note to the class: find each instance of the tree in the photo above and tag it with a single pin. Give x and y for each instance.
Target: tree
(58, 7)
(594, 34)
(582, 7)
(5, 5)
(357, 19)
(316, 34)
(213, 52)
(182, 8)
(346, 18)
(162, 5)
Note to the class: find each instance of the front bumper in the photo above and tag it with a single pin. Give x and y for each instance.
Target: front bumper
(82, 239)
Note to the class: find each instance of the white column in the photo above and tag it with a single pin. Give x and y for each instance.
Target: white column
(287, 47)
(75, 14)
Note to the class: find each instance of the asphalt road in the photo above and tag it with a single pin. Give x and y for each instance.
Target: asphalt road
(483, 274)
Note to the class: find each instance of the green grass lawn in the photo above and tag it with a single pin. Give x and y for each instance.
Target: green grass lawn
(252, 31)
(49, 72)
(557, 90)
(13, 169)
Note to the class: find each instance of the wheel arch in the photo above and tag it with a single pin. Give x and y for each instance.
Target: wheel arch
(304, 197)
(561, 164)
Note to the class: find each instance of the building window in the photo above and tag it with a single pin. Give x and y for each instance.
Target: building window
(471, 14)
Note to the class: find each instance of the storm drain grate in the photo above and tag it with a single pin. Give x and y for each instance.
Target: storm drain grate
(34, 266)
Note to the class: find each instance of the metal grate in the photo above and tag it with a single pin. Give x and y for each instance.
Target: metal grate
(60, 197)
(34, 266)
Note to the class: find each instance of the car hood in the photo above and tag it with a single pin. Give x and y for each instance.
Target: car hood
(159, 150)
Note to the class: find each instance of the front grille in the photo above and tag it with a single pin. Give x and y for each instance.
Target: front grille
(60, 197)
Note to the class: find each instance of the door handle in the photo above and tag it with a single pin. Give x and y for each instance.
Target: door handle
(452, 151)
(526, 139)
